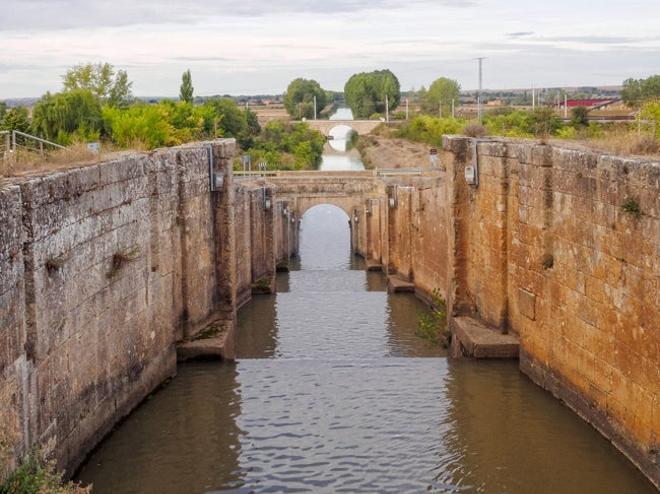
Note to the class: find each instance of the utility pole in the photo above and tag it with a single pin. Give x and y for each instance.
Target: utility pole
(480, 59)
(314, 107)
(533, 97)
(565, 105)
(406, 108)
(387, 109)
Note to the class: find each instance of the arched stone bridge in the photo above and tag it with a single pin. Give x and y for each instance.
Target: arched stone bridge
(348, 190)
(362, 127)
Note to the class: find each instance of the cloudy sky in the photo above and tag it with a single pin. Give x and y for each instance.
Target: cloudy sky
(258, 46)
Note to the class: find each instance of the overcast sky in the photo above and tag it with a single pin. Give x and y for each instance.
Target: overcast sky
(258, 46)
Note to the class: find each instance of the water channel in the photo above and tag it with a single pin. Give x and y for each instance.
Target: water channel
(338, 154)
(334, 392)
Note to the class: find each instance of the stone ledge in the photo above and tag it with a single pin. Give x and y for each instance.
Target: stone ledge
(373, 265)
(397, 284)
(208, 348)
(472, 338)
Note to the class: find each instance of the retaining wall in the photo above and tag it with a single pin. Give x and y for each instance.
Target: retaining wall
(562, 247)
(102, 270)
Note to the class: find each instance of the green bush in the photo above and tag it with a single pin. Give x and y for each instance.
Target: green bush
(432, 324)
(139, 126)
(34, 475)
(429, 130)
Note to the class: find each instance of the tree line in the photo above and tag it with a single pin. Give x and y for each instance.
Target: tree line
(96, 103)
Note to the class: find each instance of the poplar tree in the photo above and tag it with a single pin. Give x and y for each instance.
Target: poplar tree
(186, 91)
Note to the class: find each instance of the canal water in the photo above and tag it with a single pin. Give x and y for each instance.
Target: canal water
(338, 155)
(334, 392)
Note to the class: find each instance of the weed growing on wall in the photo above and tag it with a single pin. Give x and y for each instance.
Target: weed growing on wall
(432, 324)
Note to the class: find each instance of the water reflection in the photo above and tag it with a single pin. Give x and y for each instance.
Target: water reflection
(185, 439)
(338, 155)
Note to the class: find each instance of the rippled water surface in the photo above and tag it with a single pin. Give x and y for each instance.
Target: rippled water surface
(333, 392)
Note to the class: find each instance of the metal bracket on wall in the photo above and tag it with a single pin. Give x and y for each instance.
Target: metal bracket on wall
(472, 170)
(216, 178)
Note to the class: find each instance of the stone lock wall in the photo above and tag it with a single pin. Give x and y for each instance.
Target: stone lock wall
(562, 247)
(102, 270)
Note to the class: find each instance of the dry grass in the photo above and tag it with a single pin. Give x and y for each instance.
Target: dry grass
(26, 162)
(621, 143)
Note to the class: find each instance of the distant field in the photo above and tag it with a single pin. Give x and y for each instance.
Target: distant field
(269, 113)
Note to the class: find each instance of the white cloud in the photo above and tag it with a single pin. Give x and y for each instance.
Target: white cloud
(254, 46)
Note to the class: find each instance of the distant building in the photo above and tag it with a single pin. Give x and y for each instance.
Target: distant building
(592, 103)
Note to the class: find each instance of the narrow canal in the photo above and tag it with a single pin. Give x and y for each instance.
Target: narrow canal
(338, 154)
(333, 392)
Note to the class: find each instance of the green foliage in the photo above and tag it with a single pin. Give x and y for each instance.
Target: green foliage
(651, 112)
(520, 123)
(545, 122)
(15, 119)
(36, 476)
(513, 123)
(3, 109)
(138, 126)
(631, 206)
(299, 98)
(440, 95)
(68, 116)
(432, 325)
(303, 146)
(580, 116)
(186, 90)
(365, 92)
(429, 130)
(638, 91)
(567, 133)
(110, 87)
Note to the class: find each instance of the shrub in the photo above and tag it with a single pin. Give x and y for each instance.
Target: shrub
(475, 130)
(567, 133)
(137, 126)
(429, 130)
(432, 325)
(580, 116)
(35, 475)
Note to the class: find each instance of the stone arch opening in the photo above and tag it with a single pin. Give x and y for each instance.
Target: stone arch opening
(325, 238)
(342, 137)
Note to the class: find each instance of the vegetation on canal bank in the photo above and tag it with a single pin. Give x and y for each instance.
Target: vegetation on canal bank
(35, 474)
(432, 324)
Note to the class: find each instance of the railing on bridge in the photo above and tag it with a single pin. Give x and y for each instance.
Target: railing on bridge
(383, 172)
(15, 145)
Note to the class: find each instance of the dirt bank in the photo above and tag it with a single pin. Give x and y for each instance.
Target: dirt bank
(388, 152)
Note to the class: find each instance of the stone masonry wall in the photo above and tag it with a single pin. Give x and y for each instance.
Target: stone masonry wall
(563, 247)
(103, 269)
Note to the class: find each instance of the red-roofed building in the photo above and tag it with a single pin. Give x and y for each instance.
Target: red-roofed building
(591, 103)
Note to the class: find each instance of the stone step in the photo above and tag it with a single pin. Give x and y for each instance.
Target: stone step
(208, 348)
(374, 265)
(397, 284)
(472, 338)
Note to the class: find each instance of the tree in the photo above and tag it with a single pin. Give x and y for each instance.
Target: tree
(186, 91)
(3, 109)
(102, 81)
(299, 98)
(580, 116)
(638, 91)
(366, 92)
(15, 119)
(61, 117)
(440, 95)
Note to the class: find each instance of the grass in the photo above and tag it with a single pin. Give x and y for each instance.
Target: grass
(34, 474)
(432, 324)
(25, 161)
